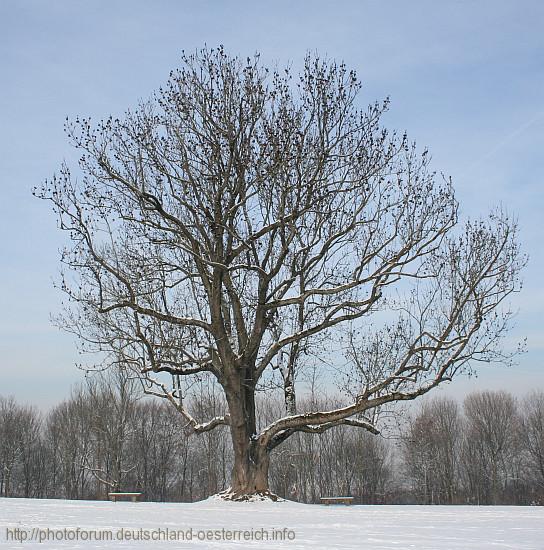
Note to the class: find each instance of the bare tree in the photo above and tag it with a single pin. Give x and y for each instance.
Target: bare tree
(67, 437)
(242, 220)
(31, 462)
(533, 430)
(491, 438)
(19, 434)
(160, 452)
(431, 450)
(111, 400)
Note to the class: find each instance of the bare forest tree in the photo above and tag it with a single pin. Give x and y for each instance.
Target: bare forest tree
(533, 430)
(156, 444)
(244, 224)
(111, 403)
(68, 439)
(492, 432)
(431, 450)
(19, 437)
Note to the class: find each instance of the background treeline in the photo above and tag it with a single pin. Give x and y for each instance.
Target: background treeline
(487, 450)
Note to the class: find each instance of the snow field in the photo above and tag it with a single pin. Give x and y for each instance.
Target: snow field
(214, 524)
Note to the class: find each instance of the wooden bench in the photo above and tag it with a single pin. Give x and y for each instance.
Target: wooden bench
(135, 497)
(336, 500)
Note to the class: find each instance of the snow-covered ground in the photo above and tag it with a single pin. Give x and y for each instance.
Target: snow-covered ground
(216, 524)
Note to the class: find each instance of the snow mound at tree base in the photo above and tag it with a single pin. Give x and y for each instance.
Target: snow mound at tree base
(229, 496)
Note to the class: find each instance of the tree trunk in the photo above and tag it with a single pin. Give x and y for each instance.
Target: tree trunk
(250, 470)
(251, 458)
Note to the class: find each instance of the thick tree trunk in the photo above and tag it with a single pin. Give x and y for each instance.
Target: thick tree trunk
(251, 458)
(250, 471)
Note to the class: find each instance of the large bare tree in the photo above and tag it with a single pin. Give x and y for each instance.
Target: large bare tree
(245, 223)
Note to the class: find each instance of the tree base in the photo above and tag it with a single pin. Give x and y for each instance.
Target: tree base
(257, 496)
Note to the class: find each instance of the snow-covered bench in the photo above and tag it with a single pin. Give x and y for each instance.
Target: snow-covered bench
(114, 497)
(336, 500)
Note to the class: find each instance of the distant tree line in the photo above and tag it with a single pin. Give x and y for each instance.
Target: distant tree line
(489, 450)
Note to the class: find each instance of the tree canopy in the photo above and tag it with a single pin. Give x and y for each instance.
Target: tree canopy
(245, 222)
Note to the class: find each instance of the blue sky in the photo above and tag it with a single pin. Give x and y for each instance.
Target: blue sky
(465, 78)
